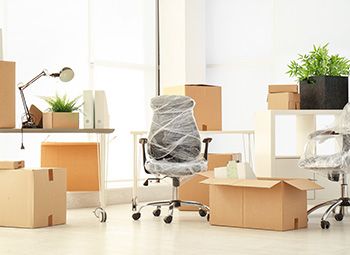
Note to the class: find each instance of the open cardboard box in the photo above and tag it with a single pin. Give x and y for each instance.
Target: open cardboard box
(265, 203)
(192, 190)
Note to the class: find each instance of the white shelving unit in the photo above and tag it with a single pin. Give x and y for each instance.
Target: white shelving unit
(269, 164)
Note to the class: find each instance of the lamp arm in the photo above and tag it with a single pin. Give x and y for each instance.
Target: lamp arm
(26, 110)
(29, 122)
(23, 87)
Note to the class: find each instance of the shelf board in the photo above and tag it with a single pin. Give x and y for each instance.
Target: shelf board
(58, 130)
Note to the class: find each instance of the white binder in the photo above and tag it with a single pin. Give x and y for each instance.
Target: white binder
(101, 110)
(88, 108)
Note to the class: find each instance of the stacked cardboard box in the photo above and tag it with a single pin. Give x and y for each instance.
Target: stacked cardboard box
(193, 190)
(207, 110)
(7, 94)
(32, 198)
(80, 160)
(283, 97)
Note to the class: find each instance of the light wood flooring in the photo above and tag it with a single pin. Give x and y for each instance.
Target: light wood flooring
(188, 234)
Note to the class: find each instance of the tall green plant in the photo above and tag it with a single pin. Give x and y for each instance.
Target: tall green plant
(318, 63)
(62, 104)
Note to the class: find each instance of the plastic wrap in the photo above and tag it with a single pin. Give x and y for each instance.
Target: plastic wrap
(338, 162)
(174, 144)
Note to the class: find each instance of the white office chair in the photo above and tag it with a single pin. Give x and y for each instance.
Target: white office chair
(335, 166)
(174, 150)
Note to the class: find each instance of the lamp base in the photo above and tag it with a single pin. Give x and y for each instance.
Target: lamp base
(28, 125)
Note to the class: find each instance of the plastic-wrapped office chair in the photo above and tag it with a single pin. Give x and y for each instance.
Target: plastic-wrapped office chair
(335, 166)
(174, 150)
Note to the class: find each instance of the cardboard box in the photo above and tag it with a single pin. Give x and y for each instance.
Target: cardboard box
(266, 203)
(193, 190)
(207, 110)
(79, 159)
(7, 94)
(283, 88)
(32, 198)
(7, 165)
(61, 120)
(283, 101)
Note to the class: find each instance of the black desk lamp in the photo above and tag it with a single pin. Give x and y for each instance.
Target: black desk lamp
(65, 75)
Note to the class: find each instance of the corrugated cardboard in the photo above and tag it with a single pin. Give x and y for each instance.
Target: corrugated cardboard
(283, 101)
(283, 88)
(80, 160)
(32, 198)
(273, 204)
(37, 116)
(7, 94)
(207, 110)
(61, 120)
(192, 190)
(7, 165)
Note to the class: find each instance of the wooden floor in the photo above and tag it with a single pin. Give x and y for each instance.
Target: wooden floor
(188, 234)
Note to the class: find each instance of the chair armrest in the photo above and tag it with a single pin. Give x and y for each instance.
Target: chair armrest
(206, 141)
(143, 142)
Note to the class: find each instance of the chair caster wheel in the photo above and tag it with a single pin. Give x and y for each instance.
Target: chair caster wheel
(136, 216)
(202, 212)
(208, 216)
(168, 219)
(101, 214)
(325, 224)
(156, 212)
(338, 217)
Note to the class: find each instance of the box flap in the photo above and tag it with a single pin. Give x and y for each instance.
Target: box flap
(208, 174)
(303, 184)
(242, 183)
(202, 85)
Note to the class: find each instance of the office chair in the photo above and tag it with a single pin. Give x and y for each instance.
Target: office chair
(335, 166)
(174, 150)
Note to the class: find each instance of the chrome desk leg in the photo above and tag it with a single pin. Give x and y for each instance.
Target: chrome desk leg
(135, 174)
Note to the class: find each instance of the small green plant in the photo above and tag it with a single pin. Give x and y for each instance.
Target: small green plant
(62, 104)
(318, 63)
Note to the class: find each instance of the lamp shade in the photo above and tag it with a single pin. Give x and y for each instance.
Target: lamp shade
(66, 74)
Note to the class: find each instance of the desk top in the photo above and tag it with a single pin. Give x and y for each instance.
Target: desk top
(59, 130)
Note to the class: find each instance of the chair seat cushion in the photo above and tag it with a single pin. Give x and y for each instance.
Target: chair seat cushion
(176, 169)
(334, 161)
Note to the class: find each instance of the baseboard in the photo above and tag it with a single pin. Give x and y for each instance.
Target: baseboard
(118, 196)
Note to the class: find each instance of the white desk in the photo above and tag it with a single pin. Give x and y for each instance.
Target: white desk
(247, 141)
(102, 139)
(268, 164)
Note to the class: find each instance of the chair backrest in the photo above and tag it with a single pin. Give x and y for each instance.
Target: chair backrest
(173, 134)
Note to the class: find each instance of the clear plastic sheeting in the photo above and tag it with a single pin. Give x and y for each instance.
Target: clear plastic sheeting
(174, 144)
(338, 162)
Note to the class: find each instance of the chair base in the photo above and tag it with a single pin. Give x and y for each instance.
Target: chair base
(340, 203)
(334, 204)
(171, 204)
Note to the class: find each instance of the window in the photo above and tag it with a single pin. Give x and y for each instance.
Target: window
(110, 45)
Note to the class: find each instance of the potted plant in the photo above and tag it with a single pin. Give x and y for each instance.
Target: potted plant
(62, 112)
(323, 79)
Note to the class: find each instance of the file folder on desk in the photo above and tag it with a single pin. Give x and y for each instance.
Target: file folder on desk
(101, 110)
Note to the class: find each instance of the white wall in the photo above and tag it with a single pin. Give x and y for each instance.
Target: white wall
(250, 43)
